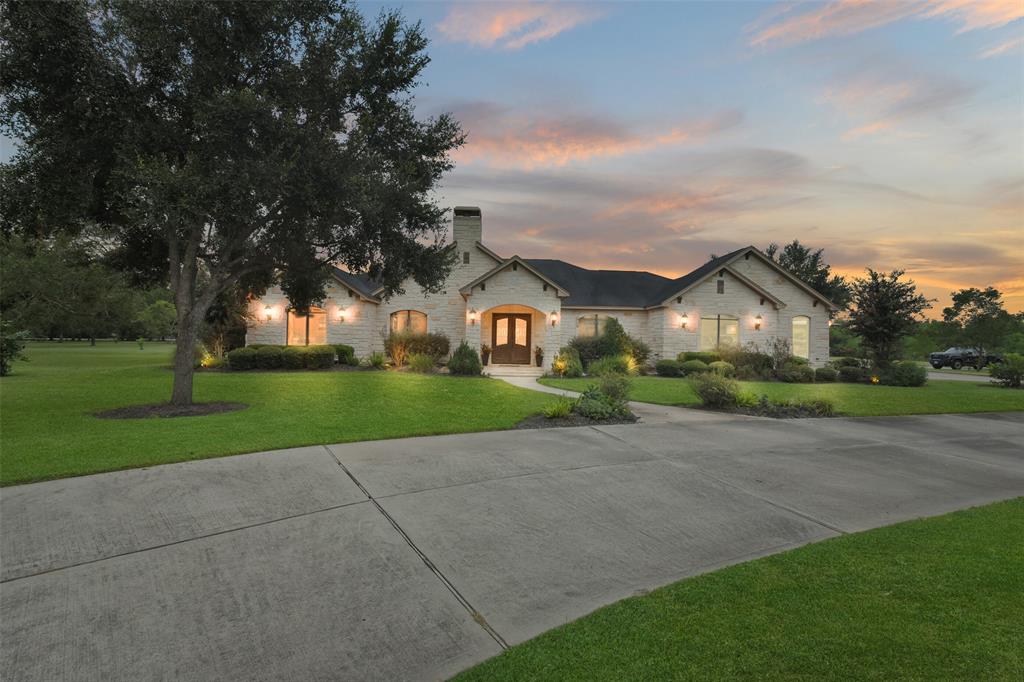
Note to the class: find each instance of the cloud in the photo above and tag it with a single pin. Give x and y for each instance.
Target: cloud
(501, 137)
(887, 95)
(1007, 47)
(797, 24)
(511, 26)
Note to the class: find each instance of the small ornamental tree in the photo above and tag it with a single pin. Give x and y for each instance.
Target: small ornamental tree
(225, 144)
(885, 309)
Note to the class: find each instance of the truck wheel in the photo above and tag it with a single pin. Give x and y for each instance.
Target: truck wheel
(957, 364)
(937, 365)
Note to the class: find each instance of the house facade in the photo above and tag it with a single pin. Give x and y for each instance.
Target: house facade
(515, 305)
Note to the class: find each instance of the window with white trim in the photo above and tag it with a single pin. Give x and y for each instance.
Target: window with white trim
(802, 337)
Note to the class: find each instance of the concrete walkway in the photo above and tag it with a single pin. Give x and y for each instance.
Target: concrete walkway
(415, 558)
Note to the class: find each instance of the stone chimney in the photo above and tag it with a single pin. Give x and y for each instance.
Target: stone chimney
(467, 227)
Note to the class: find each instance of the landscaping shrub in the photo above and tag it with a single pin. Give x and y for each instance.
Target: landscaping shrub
(668, 368)
(375, 360)
(293, 357)
(715, 390)
(818, 407)
(346, 354)
(561, 408)
(845, 362)
(640, 351)
(615, 386)
(796, 373)
(618, 364)
(748, 361)
(257, 346)
(399, 345)
(567, 363)
(726, 369)
(693, 367)
(852, 375)
(587, 349)
(905, 373)
(596, 404)
(465, 361)
(778, 349)
(614, 341)
(825, 374)
(421, 362)
(320, 357)
(1009, 372)
(241, 359)
(705, 356)
(795, 360)
(268, 357)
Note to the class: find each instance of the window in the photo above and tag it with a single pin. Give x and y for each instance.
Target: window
(802, 337)
(720, 331)
(589, 326)
(409, 321)
(465, 257)
(307, 330)
(721, 286)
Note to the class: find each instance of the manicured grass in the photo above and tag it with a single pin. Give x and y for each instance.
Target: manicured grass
(47, 429)
(859, 400)
(936, 599)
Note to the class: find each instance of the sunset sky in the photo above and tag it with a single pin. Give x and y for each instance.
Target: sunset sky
(649, 135)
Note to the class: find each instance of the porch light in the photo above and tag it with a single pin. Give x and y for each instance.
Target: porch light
(757, 323)
(554, 318)
(683, 321)
(830, 322)
(341, 313)
(270, 313)
(472, 316)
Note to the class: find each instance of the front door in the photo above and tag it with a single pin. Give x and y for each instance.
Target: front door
(510, 334)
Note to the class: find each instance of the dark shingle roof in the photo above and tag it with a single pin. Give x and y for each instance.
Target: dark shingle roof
(678, 284)
(601, 287)
(361, 282)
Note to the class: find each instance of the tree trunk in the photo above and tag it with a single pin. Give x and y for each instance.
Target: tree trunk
(181, 393)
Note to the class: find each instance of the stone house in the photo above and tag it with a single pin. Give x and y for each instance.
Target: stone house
(515, 305)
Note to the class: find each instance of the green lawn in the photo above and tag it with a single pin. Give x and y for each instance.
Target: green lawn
(936, 599)
(860, 400)
(47, 429)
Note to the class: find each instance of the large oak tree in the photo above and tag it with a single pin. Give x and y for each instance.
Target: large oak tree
(225, 144)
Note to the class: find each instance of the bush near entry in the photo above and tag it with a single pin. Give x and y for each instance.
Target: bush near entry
(1010, 372)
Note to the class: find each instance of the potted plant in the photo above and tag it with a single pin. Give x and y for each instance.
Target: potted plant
(538, 355)
(485, 353)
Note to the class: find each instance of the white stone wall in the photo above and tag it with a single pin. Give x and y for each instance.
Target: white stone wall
(520, 287)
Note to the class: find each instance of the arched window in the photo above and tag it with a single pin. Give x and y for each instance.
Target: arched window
(409, 321)
(589, 326)
(307, 330)
(720, 331)
(802, 336)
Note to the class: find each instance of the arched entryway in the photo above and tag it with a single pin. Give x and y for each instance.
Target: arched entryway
(512, 332)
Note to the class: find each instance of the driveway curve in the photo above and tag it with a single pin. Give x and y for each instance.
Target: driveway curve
(415, 558)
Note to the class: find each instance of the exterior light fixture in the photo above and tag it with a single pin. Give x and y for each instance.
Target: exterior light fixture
(684, 321)
(554, 318)
(270, 313)
(472, 316)
(341, 313)
(757, 323)
(830, 322)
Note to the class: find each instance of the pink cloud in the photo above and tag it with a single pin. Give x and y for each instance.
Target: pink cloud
(1012, 46)
(503, 139)
(795, 24)
(512, 26)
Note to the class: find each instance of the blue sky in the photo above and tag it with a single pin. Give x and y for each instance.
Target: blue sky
(648, 135)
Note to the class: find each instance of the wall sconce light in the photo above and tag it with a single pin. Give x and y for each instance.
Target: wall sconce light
(757, 323)
(472, 316)
(269, 312)
(830, 322)
(341, 313)
(684, 320)
(554, 318)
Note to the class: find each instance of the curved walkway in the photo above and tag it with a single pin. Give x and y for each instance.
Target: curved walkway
(415, 558)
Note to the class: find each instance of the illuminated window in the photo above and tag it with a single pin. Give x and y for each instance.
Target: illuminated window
(802, 337)
(409, 321)
(720, 331)
(307, 330)
(589, 326)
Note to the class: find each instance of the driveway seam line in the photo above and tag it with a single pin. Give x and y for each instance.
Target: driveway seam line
(182, 541)
(473, 613)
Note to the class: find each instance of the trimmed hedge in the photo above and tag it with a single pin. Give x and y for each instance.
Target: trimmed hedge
(293, 357)
(465, 361)
(825, 374)
(693, 367)
(850, 374)
(268, 357)
(845, 362)
(705, 356)
(668, 368)
(346, 354)
(904, 374)
(796, 373)
(726, 369)
(242, 359)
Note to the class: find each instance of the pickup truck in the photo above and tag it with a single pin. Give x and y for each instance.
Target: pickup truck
(958, 357)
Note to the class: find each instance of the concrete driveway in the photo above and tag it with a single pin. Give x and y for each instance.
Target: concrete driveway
(415, 558)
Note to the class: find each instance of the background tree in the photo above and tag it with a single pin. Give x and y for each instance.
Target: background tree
(157, 319)
(224, 143)
(810, 267)
(885, 309)
(979, 318)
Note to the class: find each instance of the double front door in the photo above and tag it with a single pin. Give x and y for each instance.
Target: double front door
(510, 336)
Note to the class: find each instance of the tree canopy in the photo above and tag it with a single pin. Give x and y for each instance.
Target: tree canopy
(225, 144)
(810, 267)
(978, 317)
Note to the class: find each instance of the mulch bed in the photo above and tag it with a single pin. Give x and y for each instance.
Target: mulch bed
(539, 421)
(773, 412)
(168, 410)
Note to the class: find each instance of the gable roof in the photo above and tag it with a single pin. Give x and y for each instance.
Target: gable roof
(559, 289)
(361, 283)
(601, 288)
(678, 285)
